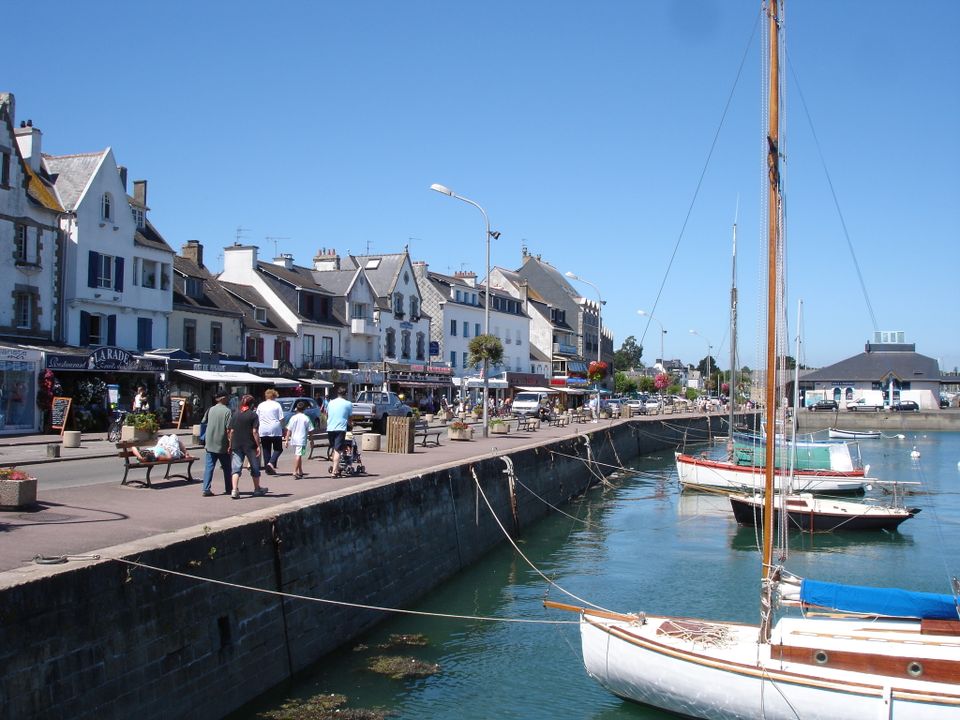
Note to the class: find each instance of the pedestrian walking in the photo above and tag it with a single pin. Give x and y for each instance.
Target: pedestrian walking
(270, 414)
(244, 440)
(298, 427)
(217, 443)
(141, 403)
(339, 411)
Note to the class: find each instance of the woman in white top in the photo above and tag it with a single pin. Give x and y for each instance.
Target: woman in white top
(270, 414)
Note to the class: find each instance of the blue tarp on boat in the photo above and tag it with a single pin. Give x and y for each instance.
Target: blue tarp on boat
(891, 602)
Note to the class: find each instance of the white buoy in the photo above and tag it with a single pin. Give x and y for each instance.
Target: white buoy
(901, 436)
(914, 453)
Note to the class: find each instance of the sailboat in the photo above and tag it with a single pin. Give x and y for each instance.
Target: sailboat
(877, 653)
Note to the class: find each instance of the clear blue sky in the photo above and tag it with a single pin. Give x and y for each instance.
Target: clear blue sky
(582, 129)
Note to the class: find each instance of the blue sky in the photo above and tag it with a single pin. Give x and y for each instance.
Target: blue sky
(581, 128)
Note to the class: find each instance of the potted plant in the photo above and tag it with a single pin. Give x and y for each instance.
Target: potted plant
(459, 430)
(498, 426)
(139, 427)
(17, 488)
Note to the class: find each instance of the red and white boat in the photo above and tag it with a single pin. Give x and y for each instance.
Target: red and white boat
(721, 476)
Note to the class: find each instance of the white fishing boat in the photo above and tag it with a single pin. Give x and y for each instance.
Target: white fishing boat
(881, 653)
(838, 433)
(702, 473)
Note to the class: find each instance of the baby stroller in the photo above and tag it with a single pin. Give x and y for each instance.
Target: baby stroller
(350, 462)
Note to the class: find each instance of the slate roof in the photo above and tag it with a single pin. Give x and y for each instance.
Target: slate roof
(382, 278)
(149, 236)
(71, 175)
(877, 365)
(247, 298)
(550, 285)
(214, 298)
(39, 188)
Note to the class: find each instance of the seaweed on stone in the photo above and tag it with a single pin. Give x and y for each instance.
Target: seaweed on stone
(417, 640)
(322, 707)
(401, 668)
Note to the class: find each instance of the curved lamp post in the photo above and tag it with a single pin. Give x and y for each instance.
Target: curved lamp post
(706, 385)
(573, 276)
(444, 190)
(662, 331)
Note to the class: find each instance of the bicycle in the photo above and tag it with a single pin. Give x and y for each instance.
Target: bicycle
(113, 432)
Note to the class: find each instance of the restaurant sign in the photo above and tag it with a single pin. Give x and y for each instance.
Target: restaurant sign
(104, 358)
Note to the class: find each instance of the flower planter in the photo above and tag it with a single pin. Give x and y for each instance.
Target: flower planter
(458, 434)
(499, 428)
(18, 493)
(128, 433)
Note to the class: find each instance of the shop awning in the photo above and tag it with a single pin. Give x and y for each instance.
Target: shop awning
(574, 391)
(228, 378)
(283, 382)
(315, 382)
(476, 382)
(526, 388)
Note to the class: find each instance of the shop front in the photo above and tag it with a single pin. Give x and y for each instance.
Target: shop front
(107, 376)
(420, 386)
(19, 371)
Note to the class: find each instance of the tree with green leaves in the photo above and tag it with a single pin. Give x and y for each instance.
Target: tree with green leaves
(628, 356)
(486, 347)
(623, 383)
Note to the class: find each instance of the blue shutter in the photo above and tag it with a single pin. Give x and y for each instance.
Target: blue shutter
(111, 329)
(93, 268)
(84, 328)
(118, 274)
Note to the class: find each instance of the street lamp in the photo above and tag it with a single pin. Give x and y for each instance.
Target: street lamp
(662, 331)
(706, 385)
(444, 190)
(600, 302)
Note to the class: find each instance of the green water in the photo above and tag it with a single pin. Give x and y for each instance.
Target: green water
(640, 545)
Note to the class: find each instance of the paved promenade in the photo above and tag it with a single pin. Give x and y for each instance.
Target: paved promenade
(89, 518)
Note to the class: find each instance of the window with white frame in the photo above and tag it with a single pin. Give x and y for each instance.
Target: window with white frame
(453, 328)
(138, 216)
(359, 311)
(260, 314)
(466, 329)
(136, 270)
(405, 345)
(414, 308)
(20, 243)
(106, 207)
(466, 358)
(98, 330)
(148, 277)
(105, 271)
(398, 304)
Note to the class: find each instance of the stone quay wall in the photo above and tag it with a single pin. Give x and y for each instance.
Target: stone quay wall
(118, 640)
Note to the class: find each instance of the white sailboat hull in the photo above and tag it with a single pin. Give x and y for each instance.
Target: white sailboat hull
(727, 477)
(738, 679)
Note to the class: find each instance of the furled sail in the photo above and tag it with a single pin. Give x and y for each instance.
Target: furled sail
(888, 602)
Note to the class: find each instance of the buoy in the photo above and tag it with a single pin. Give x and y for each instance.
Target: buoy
(914, 453)
(901, 436)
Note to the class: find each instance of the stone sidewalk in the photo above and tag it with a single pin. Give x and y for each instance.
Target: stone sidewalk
(89, 519)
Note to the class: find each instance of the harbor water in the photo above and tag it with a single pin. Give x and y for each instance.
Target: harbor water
(634, 544)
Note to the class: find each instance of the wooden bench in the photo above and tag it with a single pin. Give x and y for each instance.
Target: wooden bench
(318, 440)
(528, 423)
(425, 431)
(560, 420)
(131, 462)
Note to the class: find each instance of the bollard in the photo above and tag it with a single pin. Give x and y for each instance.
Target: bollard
(370, 441)
(71, 438)
(53, 451)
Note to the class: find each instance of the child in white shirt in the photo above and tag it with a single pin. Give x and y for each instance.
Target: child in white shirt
(295, 434)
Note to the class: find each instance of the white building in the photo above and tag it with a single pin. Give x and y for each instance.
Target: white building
(354, 301)
(118, 285)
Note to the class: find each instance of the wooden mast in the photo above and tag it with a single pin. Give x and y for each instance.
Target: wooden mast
(773, 287)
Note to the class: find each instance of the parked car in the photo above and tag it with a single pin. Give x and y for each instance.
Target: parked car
(312, 410)
(944, 401)
(905, 406)
(635, 404)
(863, 405)
(652, 405)
(824, 405)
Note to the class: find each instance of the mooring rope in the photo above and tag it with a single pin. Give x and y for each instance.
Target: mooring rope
(340, 603)
(520, 552)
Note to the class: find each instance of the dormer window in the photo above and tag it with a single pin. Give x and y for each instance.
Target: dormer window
(106, 207)
(194, 287)
(260, 314)
(138, 216)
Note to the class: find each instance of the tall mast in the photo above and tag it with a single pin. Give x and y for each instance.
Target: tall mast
(732, 399)
(773, 287)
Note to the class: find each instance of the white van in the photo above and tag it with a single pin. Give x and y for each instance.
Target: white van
(531, 403)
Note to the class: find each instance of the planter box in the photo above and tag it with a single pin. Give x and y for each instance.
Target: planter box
(499, 429)
(128, 433)
(18, 493)
(465, 434)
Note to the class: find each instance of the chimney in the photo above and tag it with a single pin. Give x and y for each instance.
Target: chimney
(326, 260)
(28, 140)
(420, 268)
(470, 278)
(524, 287)
(285, 260)
(193, 251)
(238, 261)
(139, 189)
(123, 176)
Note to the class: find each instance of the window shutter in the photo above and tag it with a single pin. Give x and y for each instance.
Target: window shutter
(93, 268)
(276, 349)
(259, 349)
(118, 274)
(286, 350)
(84, 327)
(111, 329)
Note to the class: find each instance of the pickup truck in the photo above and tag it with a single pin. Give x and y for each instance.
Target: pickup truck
(375, 407)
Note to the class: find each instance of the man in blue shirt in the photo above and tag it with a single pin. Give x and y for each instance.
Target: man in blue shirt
(339, 411)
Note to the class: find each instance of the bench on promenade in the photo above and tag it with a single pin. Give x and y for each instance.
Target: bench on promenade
(528, 423)
(132, 462)
(560, 420)
(422, 430)
(318, 440)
